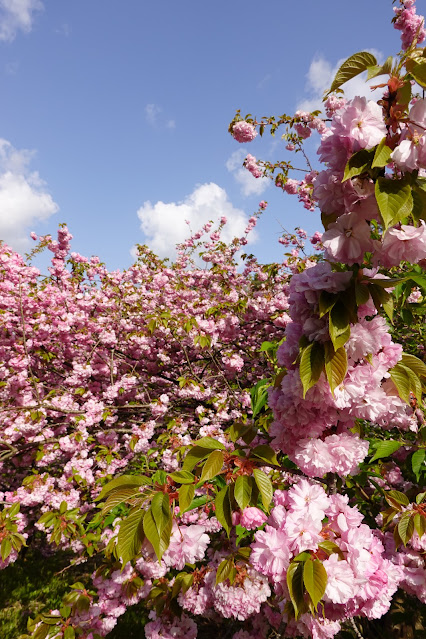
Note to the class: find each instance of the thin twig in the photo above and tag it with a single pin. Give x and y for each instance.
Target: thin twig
(353, 624)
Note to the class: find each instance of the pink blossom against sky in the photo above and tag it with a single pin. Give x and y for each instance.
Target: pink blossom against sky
(114, 116)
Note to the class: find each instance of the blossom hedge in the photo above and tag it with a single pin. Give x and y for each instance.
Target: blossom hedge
(238, 449)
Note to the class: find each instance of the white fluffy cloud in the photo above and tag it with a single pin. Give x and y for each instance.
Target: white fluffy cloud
(320, 76)
(17, 15)
(164, 223)
(249, 185)
(24, 200)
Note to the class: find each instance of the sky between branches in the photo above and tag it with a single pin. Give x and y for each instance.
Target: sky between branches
(114, 114)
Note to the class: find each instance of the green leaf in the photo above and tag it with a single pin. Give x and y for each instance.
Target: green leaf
(5, 548)
(186, 495)
(362, 294)
(394, 200)
(213, 465)
(65, 611)
(127, 481)
(223, 509)
(420, 524)
(406, 381)
(418, 71)
(130, 536)
(264, 485)
(69, 633)
(418, 462)
(315, 580)
(209, 442)
(160, 508)
(419, 205)
(396, 498)
(238, 430)
(381, 297)
(311, 365)
(352, 67)
(414, 363)
(338, 325)
(259, 396)
(195, 455)
(14, 509)
(358, 163)
(41, 631)
(326, 302)
(265, 453)
(382, 155)
(183, 477)
(182, 583)
(384, 449)
(373, 71)
(420, 497)
(376, 70)
(242, 491)
(295, 588)
(224, 570)
(118, 497)
(159, 543)
(406, 527)
(336, 365)
(331, 548)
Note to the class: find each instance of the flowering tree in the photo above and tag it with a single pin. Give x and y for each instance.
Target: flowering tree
(192, 445)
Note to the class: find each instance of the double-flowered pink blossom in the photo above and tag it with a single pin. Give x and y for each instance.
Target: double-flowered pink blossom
(243, 131)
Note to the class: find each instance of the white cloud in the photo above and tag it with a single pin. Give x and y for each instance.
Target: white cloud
(164, 224)
(320, 76)
(154, 117)
(152, 112)
(249, 185)
(17, 15)
(24, 200)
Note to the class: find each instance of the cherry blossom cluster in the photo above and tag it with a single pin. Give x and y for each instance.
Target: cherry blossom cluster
(409, 23)
(360, 580)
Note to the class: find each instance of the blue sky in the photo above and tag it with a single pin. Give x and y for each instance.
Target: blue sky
(114, 107)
